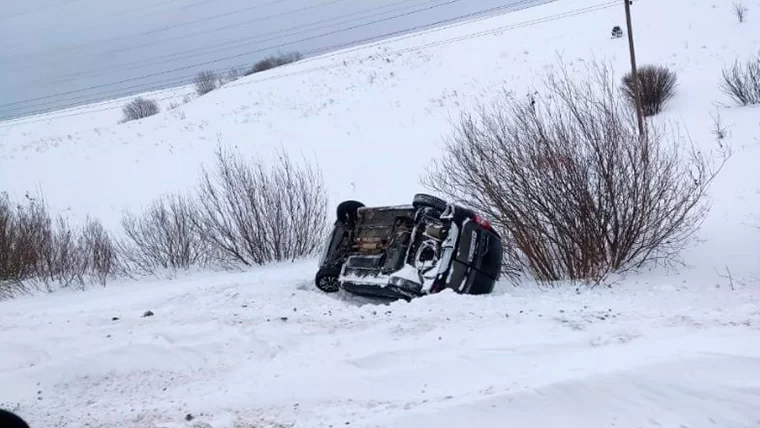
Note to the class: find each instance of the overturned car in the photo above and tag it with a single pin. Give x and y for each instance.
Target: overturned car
(407, 251)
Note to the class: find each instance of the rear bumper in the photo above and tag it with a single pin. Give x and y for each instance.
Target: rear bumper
(387, 291)
(363, 275)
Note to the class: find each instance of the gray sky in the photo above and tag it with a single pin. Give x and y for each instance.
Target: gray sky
(58, 53)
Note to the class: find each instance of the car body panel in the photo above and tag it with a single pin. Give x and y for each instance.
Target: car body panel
(404, 251)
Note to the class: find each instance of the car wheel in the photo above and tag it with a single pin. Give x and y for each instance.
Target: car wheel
(347, 209)
(11, 420)
(327, 280)
(422, 200)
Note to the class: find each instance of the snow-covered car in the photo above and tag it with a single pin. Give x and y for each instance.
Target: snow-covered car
(409, 251)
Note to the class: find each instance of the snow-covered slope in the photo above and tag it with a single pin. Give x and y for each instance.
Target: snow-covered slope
(365, 111)
(263, 348)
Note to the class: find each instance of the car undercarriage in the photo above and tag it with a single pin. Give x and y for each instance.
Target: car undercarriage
(408, 251)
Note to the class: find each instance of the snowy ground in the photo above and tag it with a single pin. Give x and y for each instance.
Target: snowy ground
(264, 349)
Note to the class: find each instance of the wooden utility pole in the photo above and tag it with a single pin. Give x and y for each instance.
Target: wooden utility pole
(634, 71)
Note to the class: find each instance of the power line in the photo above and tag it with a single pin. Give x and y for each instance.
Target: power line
(400, 51)
(186, 79)
(606, 5)
(120, 13)
(38, 10)
(469, 19)
(234, 44)
(184, 24)
(509, 27)
(214, 61)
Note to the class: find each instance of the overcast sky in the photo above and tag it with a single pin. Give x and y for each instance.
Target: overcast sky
(56, 53)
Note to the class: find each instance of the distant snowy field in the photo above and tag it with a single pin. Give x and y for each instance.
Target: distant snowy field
(265, 349)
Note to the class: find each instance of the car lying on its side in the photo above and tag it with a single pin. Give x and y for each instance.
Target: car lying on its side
(407, 251)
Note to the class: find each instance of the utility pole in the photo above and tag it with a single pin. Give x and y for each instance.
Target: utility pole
(634, 72)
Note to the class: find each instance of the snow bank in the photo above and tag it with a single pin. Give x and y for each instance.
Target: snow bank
(265, 348)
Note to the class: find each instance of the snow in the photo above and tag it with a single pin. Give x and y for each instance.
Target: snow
(265, 348)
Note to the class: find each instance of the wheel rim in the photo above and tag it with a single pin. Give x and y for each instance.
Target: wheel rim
(328, 283)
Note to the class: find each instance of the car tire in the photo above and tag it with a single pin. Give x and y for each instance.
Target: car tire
(348, 209)
(11, 420)
(422, 200)
(327, 280)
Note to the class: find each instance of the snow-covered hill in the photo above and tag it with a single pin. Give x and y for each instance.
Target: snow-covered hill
(362, 111)
(265, 349)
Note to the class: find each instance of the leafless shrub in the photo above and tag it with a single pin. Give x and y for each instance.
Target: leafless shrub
(9, 289)
(233, 74)
(59, 259)
(139, 108)
(40, 252)
(273, 61)
(162, 237)
(37, 253)
(740, 10)
(574, 189)
(254, 214)
(656, 85)
(98, 249)
(741, 82)
(76, 255)
(17, 252)
(205, 82)
(719, 129)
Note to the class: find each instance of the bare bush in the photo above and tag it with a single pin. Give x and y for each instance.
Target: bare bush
(576, 192)
(273, 61)
(17, 252)
(139, 108)
(741, 11)
(233, 74)
(59, 257)
(254, 214)
(98, 249)
(162, 237)
(741, 82)
(719, 129)
(205, 82)
(37, 253)
(656, 87)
